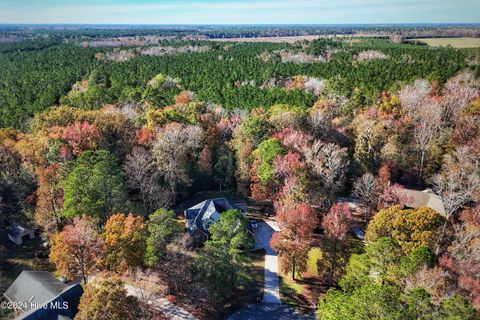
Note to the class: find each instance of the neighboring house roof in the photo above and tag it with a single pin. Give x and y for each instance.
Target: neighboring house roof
(33, 289)
(17, 231)
(425, 198)
(200, 216)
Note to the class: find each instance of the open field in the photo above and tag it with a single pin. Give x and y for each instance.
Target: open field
(454, 42)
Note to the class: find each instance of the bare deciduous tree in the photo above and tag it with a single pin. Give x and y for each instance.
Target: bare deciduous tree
(427, 125)
(457, 93)
(367, 190)
(457, 184)
(329, 162)
(320, 122)
(147, 287)
(143, 175)
(175, 146)
(412, 95)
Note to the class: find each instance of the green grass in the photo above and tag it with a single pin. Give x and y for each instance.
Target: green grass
(459, 43)
(315, 281)
(291, 293)
(250, 288)
(314, 255)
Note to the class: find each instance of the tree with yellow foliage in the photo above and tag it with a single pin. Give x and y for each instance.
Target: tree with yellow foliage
(410, 228)
(107, 299)
(125, 241)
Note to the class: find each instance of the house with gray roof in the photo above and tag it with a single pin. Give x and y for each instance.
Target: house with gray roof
(199, 217)
(41, 296)
(17, 233)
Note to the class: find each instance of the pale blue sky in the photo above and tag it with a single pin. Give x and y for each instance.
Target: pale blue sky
(239, 11)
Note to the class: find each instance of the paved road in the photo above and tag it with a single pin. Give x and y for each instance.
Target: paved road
(269, 311)
(162, 305)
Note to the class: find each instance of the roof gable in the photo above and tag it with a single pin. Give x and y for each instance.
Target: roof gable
(201, 215)
(36, 287)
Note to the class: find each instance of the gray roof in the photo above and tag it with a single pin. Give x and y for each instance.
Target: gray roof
(33, 289)
(202, 214)
(42, 286)
(16, 230)
(62, 307)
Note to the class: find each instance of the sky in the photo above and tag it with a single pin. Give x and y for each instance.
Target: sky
(238, 11)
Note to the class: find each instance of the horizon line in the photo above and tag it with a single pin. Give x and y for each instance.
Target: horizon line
(239, 24)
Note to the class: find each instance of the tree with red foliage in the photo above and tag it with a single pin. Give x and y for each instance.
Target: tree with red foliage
(204, 161)
(293, 139)
(287, 168)
(336, 223)
(77, 249)
(392, 196)
(287, 165)
(297, 223)
(81, 136)
(388, 173)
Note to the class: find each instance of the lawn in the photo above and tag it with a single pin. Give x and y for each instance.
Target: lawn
(454, 42)
(294, 293)
(304, 292)
(250, 289)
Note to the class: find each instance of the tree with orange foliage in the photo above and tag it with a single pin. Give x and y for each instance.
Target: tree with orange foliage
(144, 136)
(77, 249)
(184, 97)
(48, 212)
(125, 241)
(292, 243)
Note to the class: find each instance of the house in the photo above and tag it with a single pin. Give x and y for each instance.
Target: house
(202, 215)
(425, 198)
(18, 233)
(41, 296)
